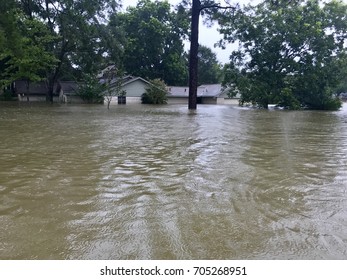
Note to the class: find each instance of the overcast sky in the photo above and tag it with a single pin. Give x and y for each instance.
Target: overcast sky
(207, 36)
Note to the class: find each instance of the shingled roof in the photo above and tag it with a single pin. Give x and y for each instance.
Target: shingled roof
(40, 88)
(212, 90)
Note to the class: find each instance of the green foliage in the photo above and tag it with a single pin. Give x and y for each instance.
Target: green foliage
(291, 53)
(288, 100)
(209, 69)
(156, 93)
(6, 96)
(341, 87)
(23, 44)
(48, 40)
(90, 90)
(29, 59)
(154, 46)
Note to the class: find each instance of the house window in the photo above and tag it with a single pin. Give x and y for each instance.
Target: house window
(122, 100)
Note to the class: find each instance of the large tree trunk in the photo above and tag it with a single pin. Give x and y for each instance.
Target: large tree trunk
(50, 90)
(53, 77)
(193, 57)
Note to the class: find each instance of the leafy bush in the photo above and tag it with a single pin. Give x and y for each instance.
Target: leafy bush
(6, 96)
(91, 91)
(331, 104)
(156, 93)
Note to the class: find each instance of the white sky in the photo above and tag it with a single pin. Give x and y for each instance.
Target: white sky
(207, 36)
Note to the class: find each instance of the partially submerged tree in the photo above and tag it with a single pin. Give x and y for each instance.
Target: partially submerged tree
(113, 84)
(198, 7)
(291, 53)
(32, 60)
(78, 27)
(23, 45)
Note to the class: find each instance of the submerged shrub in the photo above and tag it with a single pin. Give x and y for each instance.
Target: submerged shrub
(90, 90)
(156, 93)
(6, 96)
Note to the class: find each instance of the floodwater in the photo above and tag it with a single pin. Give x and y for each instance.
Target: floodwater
(143, 182)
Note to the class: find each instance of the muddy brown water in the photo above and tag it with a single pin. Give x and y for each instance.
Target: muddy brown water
(143, 182)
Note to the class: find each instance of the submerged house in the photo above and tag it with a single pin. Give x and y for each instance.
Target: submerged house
(133, 88)
(64, 91)
(67, 91)
(207, 94)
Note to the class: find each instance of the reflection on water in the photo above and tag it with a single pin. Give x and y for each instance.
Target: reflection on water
(143, 182)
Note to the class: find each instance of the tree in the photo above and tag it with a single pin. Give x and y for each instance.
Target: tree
(79, 28)
(156, 93)
(9, 32)
(22, 46)
(154, 46)
(29, 59)
(209, 8)
(209, 69)
(291, 53)
(9, 36)
(113, 83)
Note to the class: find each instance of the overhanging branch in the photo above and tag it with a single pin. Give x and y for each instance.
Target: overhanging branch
(218, 7)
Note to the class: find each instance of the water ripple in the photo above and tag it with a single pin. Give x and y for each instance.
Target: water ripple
(143, 182)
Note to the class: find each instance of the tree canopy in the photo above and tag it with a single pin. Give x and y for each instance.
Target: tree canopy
(291, 53)
(209, 68)
(22, 41)
(154, 46)
(55, 38)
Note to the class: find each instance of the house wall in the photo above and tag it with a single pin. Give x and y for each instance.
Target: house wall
(74, 99)
(227, 101)
(209, 100)
(135, 89)
(132, 99)
(177, 100)
(129, 100)
(35, 98)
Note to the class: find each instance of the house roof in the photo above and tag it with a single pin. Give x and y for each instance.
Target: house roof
(125, 80)
(69, 86)
(34, 88)
(207, 90)
(133, 79)
(177, 91)
(103, 73)
(212, 90)
(40, 88)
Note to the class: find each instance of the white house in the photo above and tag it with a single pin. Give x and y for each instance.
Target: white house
(133, 87)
